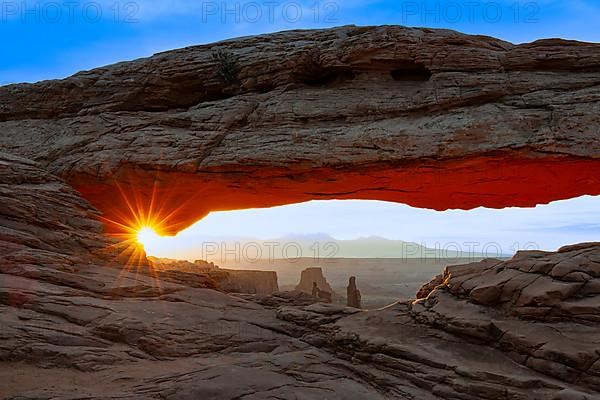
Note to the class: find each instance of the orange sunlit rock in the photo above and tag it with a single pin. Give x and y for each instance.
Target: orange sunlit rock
(173, 201)
(431, 118)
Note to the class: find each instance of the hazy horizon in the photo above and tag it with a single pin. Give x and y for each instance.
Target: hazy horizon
(504, 231)
(78, 41)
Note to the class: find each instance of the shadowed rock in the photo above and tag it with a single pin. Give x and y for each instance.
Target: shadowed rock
(262, 283)
(353, 294)
(76, 323)
(311, 278)
(542, 308)
(430, 118)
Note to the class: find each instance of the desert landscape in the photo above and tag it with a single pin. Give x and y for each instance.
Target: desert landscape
(381, 281)
(432, 118)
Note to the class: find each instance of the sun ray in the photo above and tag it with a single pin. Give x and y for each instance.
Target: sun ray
(136, 228)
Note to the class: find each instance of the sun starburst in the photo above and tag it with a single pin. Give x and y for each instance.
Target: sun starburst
(147, 237)
(137, 226)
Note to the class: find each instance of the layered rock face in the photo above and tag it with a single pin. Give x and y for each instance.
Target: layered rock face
(77, 323)
(430, 118)
(253, 282)
(543, 309)
(228, 280)
(420, 361)
(40, 213)
(353, 298)
(310, 276)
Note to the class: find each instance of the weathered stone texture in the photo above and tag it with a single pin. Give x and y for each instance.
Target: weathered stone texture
(431, 118)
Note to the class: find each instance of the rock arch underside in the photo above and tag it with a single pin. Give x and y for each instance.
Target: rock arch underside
(430, 118)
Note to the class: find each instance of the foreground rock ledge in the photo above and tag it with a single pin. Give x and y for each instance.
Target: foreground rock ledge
(76, 323)
(541, 308)
(430, 118)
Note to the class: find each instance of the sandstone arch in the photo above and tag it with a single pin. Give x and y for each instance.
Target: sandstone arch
(431, 118)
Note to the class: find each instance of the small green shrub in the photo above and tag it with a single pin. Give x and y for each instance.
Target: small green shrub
(226, 65)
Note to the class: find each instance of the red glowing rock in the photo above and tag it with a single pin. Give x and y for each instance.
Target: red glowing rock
(430, 118)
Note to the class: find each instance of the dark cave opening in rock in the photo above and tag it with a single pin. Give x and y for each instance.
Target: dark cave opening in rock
(411, 72)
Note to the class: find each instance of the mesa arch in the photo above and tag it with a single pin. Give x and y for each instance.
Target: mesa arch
(430, 118)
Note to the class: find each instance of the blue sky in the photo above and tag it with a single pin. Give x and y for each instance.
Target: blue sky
(48, 40)
(545, 227)
(54, 39)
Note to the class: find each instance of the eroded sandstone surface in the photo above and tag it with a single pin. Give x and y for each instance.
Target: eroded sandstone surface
(542, 308)
(310, 276)
(78, 323)
(430, 118)
(228, 280)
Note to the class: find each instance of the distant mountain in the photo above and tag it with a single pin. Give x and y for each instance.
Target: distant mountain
(323, 246)
(318, 237)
